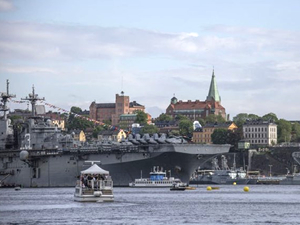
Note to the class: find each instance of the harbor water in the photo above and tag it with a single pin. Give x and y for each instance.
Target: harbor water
(263, 204)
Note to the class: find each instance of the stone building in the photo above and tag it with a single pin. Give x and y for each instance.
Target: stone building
(260, 133)
(198, 109)
(204, 135)
(113, 111)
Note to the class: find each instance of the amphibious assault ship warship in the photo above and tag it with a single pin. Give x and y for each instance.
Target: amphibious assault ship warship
(38, 154)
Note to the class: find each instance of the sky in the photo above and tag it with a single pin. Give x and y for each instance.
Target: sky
(76, 52)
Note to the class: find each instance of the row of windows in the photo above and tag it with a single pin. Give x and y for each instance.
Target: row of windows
(259, 129)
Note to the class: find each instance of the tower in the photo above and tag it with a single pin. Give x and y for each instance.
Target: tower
(213, 90)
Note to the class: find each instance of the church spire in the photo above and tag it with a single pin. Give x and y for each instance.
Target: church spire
(213, 90)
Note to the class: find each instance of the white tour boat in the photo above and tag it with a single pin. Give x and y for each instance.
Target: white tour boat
(95, 185)
(158, 178)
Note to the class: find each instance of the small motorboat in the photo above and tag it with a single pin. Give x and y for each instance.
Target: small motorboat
(95, 185)
(178, 187)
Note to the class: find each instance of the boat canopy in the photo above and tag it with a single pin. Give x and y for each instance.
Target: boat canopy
(94, 169)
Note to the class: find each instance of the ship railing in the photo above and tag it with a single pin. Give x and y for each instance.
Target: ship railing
(43, 152)
(96, 185)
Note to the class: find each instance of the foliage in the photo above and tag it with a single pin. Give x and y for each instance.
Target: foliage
(75, 122)
(75, 109)
(164, 117)
(284, 130)
(241, 118)
(97, 131)
(141, 117)
(296, 132)
(214, 118)
(270, 116)
(14, 118)
(181, 117)
(149, 129)
(185, 127)
(219, 136)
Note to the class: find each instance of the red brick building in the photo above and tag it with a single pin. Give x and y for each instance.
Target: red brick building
(113, 111)
(198, 109)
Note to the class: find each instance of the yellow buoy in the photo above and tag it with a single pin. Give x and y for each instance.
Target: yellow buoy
(246, 189)
(234, 183)
(208, 188)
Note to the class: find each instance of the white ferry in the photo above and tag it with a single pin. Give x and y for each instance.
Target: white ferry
(158, 178)
(95, 185)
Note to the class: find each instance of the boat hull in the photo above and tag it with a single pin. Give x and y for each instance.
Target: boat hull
(61, 169)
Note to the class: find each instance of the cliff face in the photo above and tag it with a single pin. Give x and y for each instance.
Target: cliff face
(280, 159)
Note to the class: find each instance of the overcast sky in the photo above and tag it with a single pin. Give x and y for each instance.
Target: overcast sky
(75, 52)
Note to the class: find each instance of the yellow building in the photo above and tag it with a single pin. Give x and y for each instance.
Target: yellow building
(204, 135)
(79, 135)
(112, 135)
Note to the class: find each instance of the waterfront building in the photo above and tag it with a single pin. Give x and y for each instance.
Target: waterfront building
(113, 111)
(112, 135)
(78, 135)
(260, 133)
(198, 109)
(204, 135)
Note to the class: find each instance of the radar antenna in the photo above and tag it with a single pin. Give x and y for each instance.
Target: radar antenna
(33, 98)
(4, 99)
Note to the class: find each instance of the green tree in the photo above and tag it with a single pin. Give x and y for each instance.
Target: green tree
(141, 117)
(295, 132)
(76, 110)
(240, 119)
(214, 118)
(149, 129)
(219, 136)
(97, 131)
(164, 117)
(253, 117)
(270, 116)
(284, 129)
(14, 118)
(185, 127)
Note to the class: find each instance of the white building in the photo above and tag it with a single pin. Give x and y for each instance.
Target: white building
(258, 132)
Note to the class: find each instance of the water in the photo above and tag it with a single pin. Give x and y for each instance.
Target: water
(263, 204)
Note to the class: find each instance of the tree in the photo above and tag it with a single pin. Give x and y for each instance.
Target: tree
(284, 129)
(185, 127)
(295, 132)
(149, 129)
(164, 117)
(214, 118)
(219, 136)
(76, 110)
(141, 117)
(270, 116)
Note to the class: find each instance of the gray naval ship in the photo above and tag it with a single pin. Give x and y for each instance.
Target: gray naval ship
(38, 154)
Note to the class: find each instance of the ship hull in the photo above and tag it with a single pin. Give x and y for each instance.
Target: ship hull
(61, 169)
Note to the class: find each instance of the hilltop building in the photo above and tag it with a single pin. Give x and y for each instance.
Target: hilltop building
(199, 109)
(113, 111)
(260, 133)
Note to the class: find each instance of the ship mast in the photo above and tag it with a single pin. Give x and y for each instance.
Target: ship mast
(33, 98)
(4, 99)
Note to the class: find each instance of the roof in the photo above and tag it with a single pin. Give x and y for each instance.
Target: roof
(213, 92)
(134, 104)
(94, 169)
(218, 125)
(105, 105)
(196, 105)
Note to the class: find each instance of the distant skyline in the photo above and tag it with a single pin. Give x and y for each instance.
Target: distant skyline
(76, 52)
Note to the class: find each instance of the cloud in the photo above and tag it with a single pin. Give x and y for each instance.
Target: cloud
(6, 5)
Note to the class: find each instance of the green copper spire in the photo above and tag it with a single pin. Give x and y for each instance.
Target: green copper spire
(213, 90)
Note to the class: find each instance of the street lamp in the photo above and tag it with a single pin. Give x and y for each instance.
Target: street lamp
(270, 170)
